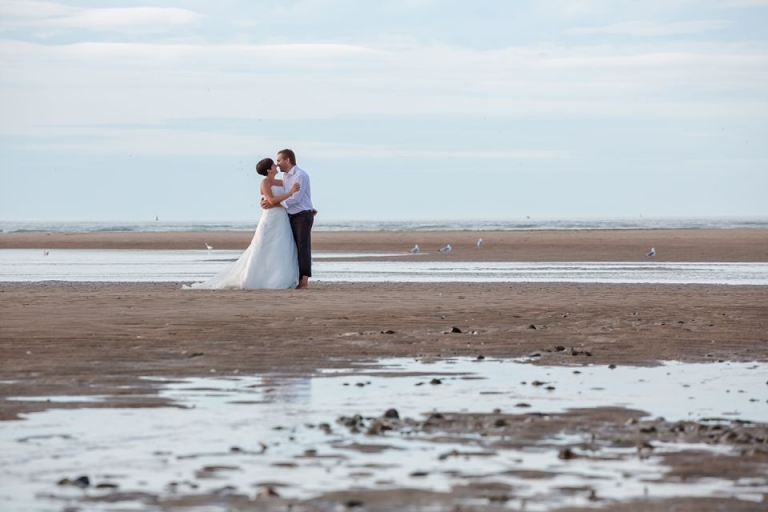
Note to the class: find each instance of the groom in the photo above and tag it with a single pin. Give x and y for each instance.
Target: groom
(300, 211)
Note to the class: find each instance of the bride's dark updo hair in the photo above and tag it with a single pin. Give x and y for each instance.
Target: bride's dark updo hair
(264, 166)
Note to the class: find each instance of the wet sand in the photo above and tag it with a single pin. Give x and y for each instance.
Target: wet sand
(81, 339)
(703, 245)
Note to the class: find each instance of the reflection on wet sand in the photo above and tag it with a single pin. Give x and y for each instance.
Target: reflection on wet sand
(486, 433)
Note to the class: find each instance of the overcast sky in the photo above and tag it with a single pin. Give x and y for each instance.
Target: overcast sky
(398, 109)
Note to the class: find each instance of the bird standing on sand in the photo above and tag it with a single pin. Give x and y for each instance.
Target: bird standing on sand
(208, 246)
(446, 249)
(479, 243)
(415, 249)
(652, 253)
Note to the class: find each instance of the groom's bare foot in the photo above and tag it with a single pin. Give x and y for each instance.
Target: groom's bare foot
(303, 283)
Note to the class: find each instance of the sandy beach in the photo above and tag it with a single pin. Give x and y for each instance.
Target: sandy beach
(577, 245)
(96, 339)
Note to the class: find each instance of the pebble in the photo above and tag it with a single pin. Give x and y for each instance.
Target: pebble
(81, 481)
(267, 492)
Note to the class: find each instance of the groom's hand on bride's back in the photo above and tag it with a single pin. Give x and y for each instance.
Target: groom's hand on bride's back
(264, 203)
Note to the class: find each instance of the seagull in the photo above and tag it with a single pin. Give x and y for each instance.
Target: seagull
(479, 243)
(415, 249)
(446, 249)
(652, 253)
(208, 246)
(45, 252)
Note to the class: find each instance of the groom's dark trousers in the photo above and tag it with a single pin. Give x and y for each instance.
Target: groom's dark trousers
(301, 225)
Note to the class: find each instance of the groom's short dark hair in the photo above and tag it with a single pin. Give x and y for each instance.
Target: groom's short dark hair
(289, 154)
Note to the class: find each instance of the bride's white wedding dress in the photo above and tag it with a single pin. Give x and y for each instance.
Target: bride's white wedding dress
(269, 262)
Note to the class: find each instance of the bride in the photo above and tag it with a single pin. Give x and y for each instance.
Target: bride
(271, 260)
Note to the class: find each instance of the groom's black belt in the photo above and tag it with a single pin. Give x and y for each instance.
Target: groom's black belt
(300, 213)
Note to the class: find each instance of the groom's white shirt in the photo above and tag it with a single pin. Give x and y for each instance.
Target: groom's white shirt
(302, 200)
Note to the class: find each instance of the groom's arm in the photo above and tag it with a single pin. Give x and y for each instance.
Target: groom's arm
(303, 181)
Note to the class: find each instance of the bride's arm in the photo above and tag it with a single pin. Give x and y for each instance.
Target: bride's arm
(273, 200)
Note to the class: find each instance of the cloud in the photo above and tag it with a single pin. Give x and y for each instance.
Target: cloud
(47, 18)
(652, 29)
(182, 53)
(153, 140)
(746, 3)
(146, 141)
(382, 151)
(110, 83)
(30, 9)
(127, 19)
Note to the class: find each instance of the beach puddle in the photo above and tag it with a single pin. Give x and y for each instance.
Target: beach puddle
(501, 432)
(134, 266)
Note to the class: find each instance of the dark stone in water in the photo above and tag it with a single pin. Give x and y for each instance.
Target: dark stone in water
(354, 421)
(456, 330)
(435, 381)
(81, 481)
(392, 413)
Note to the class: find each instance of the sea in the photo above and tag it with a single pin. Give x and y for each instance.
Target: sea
(527, 223)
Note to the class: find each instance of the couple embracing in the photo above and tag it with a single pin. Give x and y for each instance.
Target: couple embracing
(280, 253)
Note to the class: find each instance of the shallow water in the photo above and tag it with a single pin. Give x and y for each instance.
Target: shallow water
(27, 265)
(267, 428)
